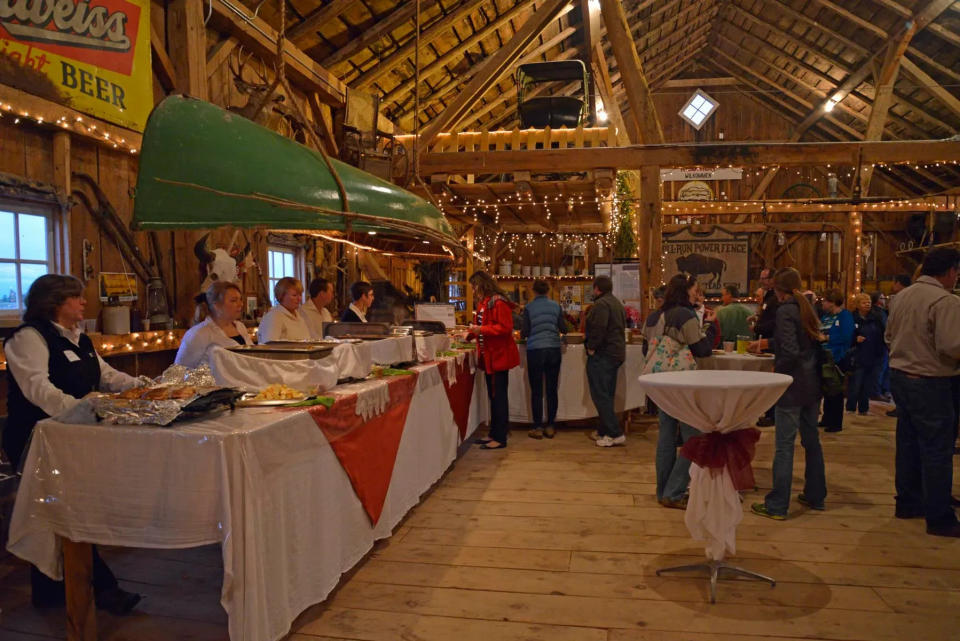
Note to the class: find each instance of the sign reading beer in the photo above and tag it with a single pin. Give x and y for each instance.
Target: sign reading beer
(89, 55)
(716, 259)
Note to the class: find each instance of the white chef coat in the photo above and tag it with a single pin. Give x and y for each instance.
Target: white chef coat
(315, 318)
(280, 324)
(200, 339)
(28, 358)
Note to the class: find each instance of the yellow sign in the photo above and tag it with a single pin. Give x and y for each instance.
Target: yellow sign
(89, 55)
(122, 287)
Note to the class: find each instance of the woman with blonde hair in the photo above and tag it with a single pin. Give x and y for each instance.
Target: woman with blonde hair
(868, 331)
(284, 322)
(221, 307)
(795, 345)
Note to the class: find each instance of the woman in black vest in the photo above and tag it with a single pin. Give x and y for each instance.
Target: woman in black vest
(53, 365)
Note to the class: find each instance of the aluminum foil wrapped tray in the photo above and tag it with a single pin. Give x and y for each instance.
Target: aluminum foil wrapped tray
(162, 404)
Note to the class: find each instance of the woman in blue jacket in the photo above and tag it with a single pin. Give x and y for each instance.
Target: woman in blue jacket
(542, 325)
(868, 358)
(836, 323)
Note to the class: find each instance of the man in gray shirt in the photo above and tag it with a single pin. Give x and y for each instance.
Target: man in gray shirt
(923, 332)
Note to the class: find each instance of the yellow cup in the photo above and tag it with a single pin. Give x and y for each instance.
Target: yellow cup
(742, 343)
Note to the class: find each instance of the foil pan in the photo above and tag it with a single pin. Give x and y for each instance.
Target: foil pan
(178, 374)
(122, 411)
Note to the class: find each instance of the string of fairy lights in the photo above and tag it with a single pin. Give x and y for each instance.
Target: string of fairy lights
(74, 123)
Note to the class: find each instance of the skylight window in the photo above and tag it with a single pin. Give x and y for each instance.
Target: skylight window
(698, 109)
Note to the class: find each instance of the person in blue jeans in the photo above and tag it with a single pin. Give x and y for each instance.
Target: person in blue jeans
(794, 344)
(868, 357)
(680, 323)
(542, 324)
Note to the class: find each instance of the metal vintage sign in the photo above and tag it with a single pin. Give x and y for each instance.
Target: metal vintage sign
(716, 258)
(89, 55)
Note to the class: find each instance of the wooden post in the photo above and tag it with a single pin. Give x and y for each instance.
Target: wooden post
(650, 216)
(469, 241)
(187, 42)
(853, 247)
(78, 579)
(61, 180)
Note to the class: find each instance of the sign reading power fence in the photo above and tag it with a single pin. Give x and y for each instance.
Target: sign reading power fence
(717, 258)
(89, 55)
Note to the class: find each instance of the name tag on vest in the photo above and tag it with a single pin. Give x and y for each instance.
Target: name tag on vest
(71, 355)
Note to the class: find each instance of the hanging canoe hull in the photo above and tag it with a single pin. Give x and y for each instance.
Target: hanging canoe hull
(203, 167)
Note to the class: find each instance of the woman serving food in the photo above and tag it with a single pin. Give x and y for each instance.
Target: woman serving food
(223, 304)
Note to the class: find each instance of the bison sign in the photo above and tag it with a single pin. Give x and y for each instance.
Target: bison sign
(716, 258)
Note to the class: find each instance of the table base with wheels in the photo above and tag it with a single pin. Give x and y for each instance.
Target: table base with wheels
(714, 568)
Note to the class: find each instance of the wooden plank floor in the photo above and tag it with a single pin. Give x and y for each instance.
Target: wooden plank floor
(560, 540)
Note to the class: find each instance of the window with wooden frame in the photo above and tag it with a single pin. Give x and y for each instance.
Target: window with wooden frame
(26, 252)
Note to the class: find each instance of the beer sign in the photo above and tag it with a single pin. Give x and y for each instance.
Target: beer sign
(89, 55)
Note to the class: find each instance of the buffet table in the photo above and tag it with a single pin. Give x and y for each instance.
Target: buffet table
(574, 392)
(737, 362)
(271, 488)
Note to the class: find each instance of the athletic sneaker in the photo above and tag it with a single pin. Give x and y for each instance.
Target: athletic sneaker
(607, 441)
(760, 509)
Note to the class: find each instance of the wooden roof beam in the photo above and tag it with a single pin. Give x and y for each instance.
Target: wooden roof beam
(747, 154)
(458, 52)
(258, 36)
(455, 82)
(382, 28)
(631, 72)
(493, 68)
(428, 35)
(866, 25)
(930, 85)
(783, 8)
(302, 33)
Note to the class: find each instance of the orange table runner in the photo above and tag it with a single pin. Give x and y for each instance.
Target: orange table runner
(367, 450)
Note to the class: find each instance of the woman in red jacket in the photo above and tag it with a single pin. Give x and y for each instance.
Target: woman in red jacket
(497, 351)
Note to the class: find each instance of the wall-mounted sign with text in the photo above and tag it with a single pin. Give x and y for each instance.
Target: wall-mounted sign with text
(684, 175)
(89, 55)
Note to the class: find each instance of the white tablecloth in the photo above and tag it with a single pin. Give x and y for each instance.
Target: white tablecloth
(428, 346)
(251, 373)
(574, 392)
(712, 401)
(393, 350)
(739, 362)
(263, 483)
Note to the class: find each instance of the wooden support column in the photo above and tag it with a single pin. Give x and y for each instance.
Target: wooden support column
(852, 245)
(492, 70)
(187, 43)
(650, 224)
(642, 108)
(469, 240)
(61, 180)
(78, 579)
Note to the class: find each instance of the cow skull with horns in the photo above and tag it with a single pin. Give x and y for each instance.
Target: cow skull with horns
(219, 264)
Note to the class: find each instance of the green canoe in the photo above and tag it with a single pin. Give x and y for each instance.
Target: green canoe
(203, 167)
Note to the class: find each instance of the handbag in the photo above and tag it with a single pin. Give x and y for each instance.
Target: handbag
(668, 355)
(831, 376)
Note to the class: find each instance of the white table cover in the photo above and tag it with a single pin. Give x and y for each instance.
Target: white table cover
(428, 346)
(393, 350)
(252, 374)
(714, 401)
(263, 483)
(734, 361)
(574, 402)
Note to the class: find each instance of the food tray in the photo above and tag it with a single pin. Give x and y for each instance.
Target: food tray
(287, 351)
(248, 400)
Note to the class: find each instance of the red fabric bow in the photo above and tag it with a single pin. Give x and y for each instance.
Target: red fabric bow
(733, 450)
(459, 394)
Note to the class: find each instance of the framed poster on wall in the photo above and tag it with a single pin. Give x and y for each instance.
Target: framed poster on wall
(716, 258)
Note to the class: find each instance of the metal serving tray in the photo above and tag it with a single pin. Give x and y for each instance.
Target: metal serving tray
(286, 351)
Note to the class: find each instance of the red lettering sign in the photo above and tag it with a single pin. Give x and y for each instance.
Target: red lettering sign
(98, 32)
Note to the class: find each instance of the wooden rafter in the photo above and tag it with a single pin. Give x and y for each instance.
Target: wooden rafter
(493, 68)
(380, 29)
(302, 33)
(430, 33)
(259, 37)
(930, 85)
(162, 65)
(458, 52)
(631, 71)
